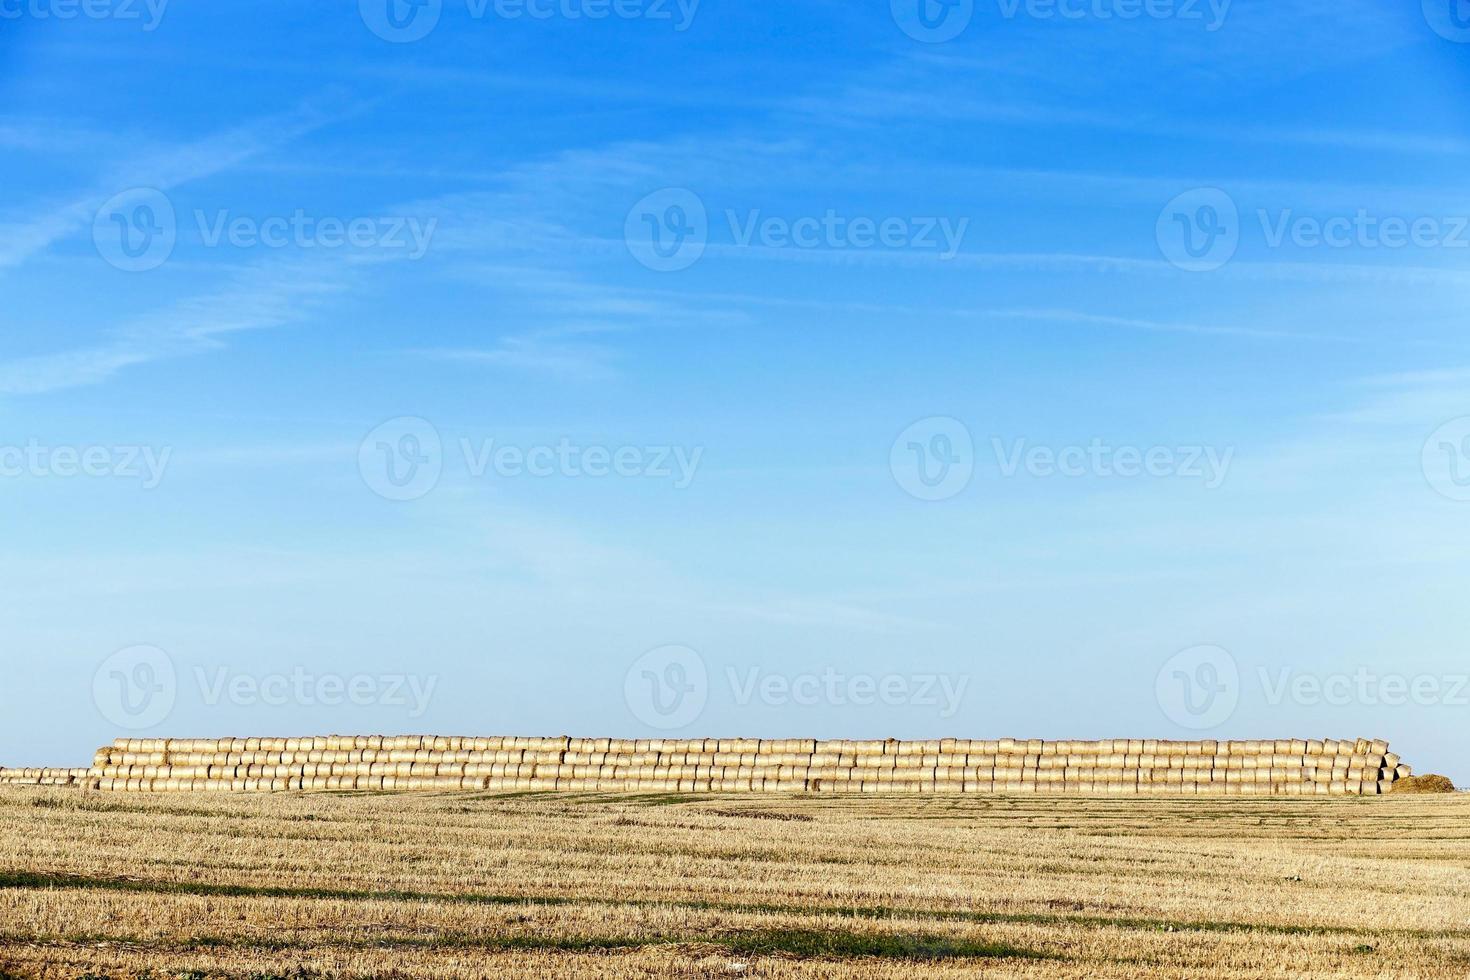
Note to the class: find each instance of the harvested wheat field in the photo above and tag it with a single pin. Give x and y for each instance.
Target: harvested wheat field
(582, 885)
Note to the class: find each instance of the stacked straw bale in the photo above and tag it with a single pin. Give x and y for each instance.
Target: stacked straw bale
(1293, 767)
(47, 777)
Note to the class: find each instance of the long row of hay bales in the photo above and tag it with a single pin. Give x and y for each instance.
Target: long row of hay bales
(47, 777)
(398, 763)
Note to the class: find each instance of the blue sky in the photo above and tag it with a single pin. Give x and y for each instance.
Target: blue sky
(180, 180)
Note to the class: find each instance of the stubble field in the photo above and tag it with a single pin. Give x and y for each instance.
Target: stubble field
(546, 885)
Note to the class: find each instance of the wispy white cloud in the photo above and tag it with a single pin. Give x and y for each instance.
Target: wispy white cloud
(1419, 399)
(160, 168)
(264, 296)
(532, 352)
(1014, 81)
(1156, 326)
(53, 136)
(285, 454)
(536, 214)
